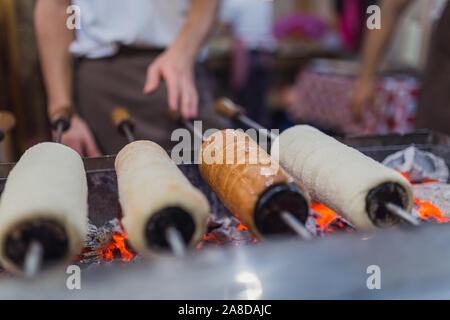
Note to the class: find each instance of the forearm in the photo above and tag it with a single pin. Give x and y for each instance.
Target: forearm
(54, 39)
(377, 40)
(198, 24)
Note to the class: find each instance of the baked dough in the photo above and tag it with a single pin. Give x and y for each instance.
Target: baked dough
(49, 182)
(149, 181)
(334, 174)
(240, 181)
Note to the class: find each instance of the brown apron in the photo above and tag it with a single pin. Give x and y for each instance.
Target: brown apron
(102, 84)
(434, 99)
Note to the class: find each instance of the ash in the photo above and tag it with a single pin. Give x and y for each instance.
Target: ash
(437, 193)
(418, 165)
(225, 231)
(428, 174)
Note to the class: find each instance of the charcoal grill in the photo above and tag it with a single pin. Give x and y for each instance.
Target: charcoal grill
(210, 273)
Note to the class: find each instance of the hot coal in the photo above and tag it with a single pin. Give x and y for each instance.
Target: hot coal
(98, 239)
(336, 224)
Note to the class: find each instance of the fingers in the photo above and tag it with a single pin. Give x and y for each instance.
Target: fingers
(356, 113)
(362, 98)
(80, 138)
(173, 90)
(186, 100)
(170, 76)
(189, 101)
(194, 110)
(181, 91)
(356, 106)
(73, 143)
(153, 79)
(90, 147)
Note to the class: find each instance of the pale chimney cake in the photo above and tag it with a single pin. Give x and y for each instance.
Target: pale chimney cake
(355, 186)
(155, 195)
(45, 202)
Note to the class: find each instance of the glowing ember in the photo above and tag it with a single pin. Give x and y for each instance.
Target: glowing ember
(404, 175)
(211, 238)
(428, 210)
(241, 227)
(117, 250)
(326, 215)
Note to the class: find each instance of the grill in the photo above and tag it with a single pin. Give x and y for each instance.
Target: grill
(227, 264)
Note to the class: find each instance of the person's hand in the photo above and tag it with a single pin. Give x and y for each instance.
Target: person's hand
(363, 95)
(177, 71)
(80, 138)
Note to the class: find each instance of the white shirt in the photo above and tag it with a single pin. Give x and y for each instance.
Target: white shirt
(252, 22)
(107, 24)
(438, 9)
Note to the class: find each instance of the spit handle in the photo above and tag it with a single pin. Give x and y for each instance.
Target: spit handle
(60, 121)
(121, 119)
(7, 123)
(228, 108)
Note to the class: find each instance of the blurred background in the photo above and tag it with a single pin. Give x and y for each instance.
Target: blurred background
(285, 61)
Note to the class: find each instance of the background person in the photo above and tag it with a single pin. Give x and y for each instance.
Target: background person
(122, 52)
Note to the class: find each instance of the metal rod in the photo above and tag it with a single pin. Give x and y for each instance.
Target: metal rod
(402, 213)
(295, 225)
(243, 119)
(128, 132)
(190, 126)
(59, 131)
(176, 242)
(33, 259)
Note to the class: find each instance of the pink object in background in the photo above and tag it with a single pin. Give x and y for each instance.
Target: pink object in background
(323, 99)
(301, 25)
(351, 24)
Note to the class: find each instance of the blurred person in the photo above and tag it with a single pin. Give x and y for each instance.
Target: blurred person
(434, 97)
(251, 23)
(118, 57)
